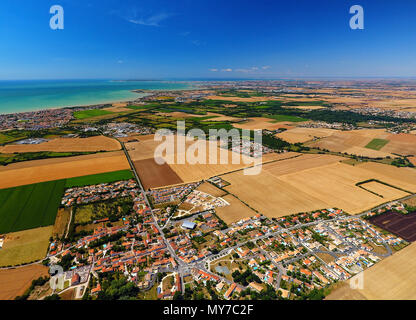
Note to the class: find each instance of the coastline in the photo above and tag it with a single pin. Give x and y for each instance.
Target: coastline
(138, 93)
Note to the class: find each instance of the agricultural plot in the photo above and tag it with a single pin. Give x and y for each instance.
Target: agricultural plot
(106, 177)
(35, 171)
(30, 206)
(286, 118)
(235, 211)
(369, 142)
(269, 195)
(377, 144)
(143, 153)
(312, 182)
(14, 282)
(211, 189)
(302, 135)
(91, 144)
(25, 246)
(153, 175)
(402, 225)
(386, 192)
(392, 278)
(402, 143)
(262, 123)
(86, 114)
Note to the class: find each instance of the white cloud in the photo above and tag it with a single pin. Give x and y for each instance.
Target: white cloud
(265, 67)
(227, 70)
(213, 70)
(153, 20)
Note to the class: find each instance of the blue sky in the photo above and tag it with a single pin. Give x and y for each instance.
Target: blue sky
(136, 39)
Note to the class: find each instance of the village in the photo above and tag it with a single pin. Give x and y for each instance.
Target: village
(197, 254)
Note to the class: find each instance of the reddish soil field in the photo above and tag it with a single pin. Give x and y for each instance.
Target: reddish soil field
(402, 225)
(154, 175)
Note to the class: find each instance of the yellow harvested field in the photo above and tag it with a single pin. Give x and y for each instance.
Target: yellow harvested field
(35, 171)
(310, 182)
(14, 282)
(335, 184)
(211, 189)
(25, 246)
(404, 144)
(235, 211)
(262, 123)
(269, 195)
(366, 152)
(302, 135)
(92, 144)
(144, 149)
(188, 172)
(302, 162)
(393, 278)
(355, 141)
(387, 192)
(404, 178)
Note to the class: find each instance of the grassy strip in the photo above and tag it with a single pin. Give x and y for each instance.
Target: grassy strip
(107, 177)
(85, 114)
(377, 144)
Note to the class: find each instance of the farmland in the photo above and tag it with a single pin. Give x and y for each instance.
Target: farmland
(262, 123)
(154, 175)
(397, 223)
(91, 144)
(302, 135)
(30, 206)
(398, 279)
(86, 114)
(372, 143)
(235, 211)
(25, 246)
(377, 144)
(311, 182)
(106, 177)
(287, 118)
(30, 172)
(14, 282)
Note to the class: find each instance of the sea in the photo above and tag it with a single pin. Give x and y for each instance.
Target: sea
(32, 95)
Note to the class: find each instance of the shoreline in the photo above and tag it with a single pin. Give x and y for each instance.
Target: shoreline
(139, 95)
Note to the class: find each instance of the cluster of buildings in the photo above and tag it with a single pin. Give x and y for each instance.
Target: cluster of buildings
(100, 192)
(36, 120)
(200, 201)
(326, 125)
(125, 129)
(172, 194)
(247, 148)
(374, 111)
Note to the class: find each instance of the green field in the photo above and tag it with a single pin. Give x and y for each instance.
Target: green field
(284, 118)
(30, 206)
(99, 178)
(85, 114)
(377, 144)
